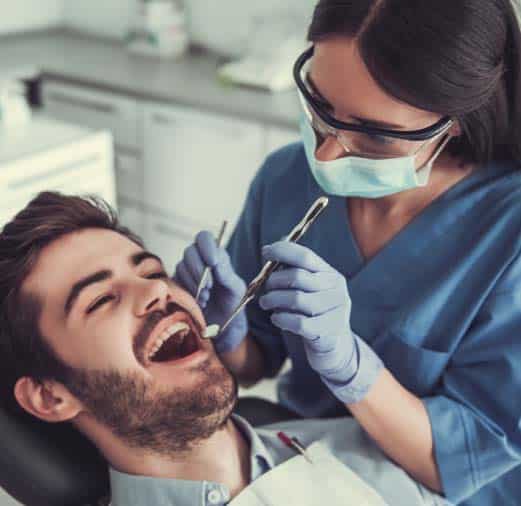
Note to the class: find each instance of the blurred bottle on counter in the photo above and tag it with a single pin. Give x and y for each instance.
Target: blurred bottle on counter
(159, 29)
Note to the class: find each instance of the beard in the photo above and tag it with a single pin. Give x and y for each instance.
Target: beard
(158, 421)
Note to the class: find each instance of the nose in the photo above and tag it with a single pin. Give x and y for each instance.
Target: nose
(152, 295)
(330, 149)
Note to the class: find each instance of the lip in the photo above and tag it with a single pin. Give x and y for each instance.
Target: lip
(196, 356)
(178, 316)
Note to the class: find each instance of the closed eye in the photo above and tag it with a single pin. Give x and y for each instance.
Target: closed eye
(157, 275)
(380, 139)
(107, 298)
(323, 104)
(99, 303)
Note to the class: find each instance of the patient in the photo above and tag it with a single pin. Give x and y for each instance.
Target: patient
(93, 331)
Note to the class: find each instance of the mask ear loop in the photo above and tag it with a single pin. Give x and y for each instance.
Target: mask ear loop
(436, 153)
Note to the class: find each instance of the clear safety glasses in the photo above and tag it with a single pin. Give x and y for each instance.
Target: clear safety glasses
(360, 139)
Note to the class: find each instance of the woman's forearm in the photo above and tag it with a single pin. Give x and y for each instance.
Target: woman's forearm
(246, 362)
(398, 422)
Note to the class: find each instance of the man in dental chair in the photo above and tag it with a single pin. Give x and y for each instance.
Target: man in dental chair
(94, 332)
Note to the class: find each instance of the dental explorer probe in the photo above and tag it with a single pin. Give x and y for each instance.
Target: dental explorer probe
(206, 271)
(269, 267)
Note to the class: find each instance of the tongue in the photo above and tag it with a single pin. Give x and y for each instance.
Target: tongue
(172, 350)
(169, 351)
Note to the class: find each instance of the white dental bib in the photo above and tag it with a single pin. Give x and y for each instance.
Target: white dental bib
(324, 482)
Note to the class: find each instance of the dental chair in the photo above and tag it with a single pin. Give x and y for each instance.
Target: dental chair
(45, 464)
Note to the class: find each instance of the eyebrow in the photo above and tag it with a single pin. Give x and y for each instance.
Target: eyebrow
(140, 257)
(100, 276)
(364, 121)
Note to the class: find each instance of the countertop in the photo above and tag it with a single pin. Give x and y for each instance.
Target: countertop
(39, 134)
(77, 58)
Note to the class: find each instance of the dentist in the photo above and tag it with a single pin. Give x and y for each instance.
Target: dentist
(402, 304)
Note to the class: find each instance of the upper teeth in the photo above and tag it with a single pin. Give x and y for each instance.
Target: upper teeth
(180, 327)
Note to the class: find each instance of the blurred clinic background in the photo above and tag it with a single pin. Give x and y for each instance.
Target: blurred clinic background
(165, 108)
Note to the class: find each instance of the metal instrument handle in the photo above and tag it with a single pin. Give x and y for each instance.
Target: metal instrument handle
(270, 266)
(206, 270)
(295, 235)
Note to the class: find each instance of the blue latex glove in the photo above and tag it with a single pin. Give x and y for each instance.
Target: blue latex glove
(223, 290)
(310, 299)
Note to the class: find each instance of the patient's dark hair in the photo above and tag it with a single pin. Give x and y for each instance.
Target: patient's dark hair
(459, 58)
(49, 216)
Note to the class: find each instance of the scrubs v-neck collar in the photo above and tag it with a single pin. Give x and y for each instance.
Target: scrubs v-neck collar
(403, 254)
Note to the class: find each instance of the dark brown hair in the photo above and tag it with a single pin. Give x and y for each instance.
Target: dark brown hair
(49, 216)
(459, 58)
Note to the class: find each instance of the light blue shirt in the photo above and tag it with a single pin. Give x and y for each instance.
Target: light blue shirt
(440, 304)
(131, 490)
(343, 437)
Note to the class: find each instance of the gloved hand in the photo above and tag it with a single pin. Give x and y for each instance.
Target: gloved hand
(223, 290)
(310, 299)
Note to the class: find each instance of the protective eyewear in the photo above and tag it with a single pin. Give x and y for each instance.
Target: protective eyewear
(364, 140)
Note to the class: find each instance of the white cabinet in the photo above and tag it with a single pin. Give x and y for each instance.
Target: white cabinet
(129, 176)
(177, 170)
(278, 137)
(198, 166)
(167, 237)
(50, 155)
(97, 109)
(131, 215)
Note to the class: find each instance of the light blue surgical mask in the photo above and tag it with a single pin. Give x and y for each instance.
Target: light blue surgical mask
(353, 176)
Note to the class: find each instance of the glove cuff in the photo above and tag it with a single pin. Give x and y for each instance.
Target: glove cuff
(366, 368)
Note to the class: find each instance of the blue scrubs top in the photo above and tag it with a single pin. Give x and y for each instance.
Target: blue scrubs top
(440, 304)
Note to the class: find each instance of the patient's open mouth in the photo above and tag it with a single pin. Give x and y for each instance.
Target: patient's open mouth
(177, 341)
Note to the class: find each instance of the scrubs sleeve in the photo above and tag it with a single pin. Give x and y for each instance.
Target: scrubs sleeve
(244, 248)
(476, 414)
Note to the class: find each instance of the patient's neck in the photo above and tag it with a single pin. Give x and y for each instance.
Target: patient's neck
(223, 458)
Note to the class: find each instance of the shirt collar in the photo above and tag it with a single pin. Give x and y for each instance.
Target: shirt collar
(260, 457)
(133, 490)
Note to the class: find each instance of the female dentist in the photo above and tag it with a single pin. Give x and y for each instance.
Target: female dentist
(402, 304)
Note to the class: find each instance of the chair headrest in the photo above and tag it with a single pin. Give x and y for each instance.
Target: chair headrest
(44, 464)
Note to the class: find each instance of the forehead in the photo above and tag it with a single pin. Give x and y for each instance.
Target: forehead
(75, 255)
(340, 74)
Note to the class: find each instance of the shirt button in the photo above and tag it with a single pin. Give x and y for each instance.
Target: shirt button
(215, 497)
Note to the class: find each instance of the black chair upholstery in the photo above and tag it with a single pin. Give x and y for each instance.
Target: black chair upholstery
(45, 464)
(262, 412)
(50, 465)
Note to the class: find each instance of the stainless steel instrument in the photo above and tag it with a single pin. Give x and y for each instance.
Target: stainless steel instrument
(269, 267)
(206, 271)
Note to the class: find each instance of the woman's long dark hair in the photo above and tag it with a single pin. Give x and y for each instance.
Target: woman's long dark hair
(460, 58)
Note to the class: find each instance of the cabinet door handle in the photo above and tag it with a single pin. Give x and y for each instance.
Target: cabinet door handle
(86, 104)
(161, 119)
(70, 167)
(172, 231)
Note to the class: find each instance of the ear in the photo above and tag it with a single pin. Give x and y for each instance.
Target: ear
(50, 401)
